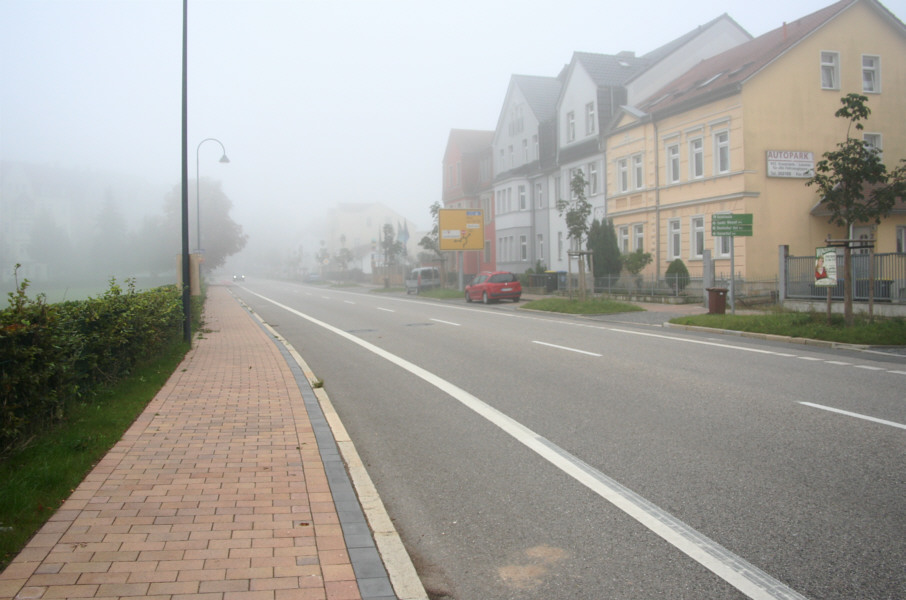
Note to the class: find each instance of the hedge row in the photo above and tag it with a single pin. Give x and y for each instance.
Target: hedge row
(54, 354)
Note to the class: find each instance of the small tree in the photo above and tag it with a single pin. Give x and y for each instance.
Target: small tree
(602, 243)
(431, 242)
(678, 275)
(854, 184)
(634, 262)
(576, 209)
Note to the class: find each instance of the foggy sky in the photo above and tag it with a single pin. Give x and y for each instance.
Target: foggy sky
(316, 102)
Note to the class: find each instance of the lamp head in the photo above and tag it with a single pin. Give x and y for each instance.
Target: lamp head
(224, 159)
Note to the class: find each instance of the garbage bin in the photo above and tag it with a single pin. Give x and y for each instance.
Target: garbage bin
(717, 301)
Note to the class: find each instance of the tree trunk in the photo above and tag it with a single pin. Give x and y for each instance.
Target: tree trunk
(848, 285)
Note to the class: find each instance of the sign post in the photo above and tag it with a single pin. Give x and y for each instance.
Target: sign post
(730, 225)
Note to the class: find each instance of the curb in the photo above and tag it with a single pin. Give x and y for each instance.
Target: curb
(403, 577)
(770, 337)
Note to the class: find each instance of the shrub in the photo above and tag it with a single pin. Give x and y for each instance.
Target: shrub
(678, 275)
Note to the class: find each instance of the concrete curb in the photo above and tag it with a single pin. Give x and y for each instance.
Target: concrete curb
(768, 337)
(403, 577)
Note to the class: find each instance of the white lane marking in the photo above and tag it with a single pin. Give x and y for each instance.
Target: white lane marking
(898, 372)
(744, 576)
(348, 301)
(838, 362)
(869, 368)
(565, 348)
(385, 309)
(446, 322)
(809, 358)
(856, 415)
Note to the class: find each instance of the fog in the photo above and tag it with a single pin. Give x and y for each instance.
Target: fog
(315, 102)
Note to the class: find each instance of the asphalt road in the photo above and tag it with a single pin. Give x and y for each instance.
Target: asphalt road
(533, 456)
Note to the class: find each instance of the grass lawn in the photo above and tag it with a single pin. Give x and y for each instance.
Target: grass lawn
(881, 332)
(35, 480)
(596, 306)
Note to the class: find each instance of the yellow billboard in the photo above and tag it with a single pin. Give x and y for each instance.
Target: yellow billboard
(460, 228)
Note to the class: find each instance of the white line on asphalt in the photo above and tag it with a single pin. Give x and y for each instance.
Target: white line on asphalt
(565, 348)
(856, 415)
(348, 301)
(446, 322)
(744, 576)
(385, 309)
(838, 362)
(869, 368)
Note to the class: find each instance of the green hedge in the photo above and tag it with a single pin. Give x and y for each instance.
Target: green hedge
(53, 354)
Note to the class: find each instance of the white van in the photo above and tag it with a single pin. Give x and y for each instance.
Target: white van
(422, 278)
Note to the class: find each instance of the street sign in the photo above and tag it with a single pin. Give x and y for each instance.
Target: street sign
(461, 229)
(724, 224)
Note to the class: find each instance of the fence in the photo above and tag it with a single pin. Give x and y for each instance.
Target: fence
(889, 278)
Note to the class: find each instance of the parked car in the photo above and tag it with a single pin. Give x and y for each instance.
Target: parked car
(422, 278)
(494, 285)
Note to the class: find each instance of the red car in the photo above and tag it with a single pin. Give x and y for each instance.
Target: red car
(494, 285)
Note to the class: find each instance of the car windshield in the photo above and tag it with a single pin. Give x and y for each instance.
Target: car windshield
(479, 279)
(502, 278)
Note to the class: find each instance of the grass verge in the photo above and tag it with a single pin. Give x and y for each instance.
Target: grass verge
(37, 479)
(811, 325)
(595, 306)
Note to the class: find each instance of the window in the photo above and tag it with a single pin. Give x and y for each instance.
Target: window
(697, 239)
(623, 174)
(871, 74)
(724, 244)
(901, 240)
(830, 71)
(623, 239)
(570, 126)
(539, 195)
(540, 246)
(722, 152)
(638, 237)
(873, 141)
(675, 241)
(696, 158)
(522, 199)
(572, 192)
(525, 158)
(673, 163)
(638, 172)
(523, 247)
(590, 118)
(592, 178)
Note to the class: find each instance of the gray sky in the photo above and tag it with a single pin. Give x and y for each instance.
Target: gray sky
(317, 102)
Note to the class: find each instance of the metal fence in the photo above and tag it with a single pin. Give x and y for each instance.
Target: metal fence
(889, 275)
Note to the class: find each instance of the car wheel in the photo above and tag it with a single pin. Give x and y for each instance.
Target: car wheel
(484, 297)
(468, 297)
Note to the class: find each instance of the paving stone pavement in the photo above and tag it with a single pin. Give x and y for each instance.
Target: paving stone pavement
(218, 491)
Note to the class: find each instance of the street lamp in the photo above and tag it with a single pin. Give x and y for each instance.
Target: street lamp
(223, 159)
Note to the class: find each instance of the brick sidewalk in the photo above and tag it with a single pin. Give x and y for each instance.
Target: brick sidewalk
(217, 491)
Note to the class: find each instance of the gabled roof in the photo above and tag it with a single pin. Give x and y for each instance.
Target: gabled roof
(541, 93)
(469, 141)
(610, 69)
(725, 73)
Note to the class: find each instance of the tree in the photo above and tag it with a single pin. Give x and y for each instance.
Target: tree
(576, 209)
(602, 243)
(634, 262)
(854, 184)
(431, 242)
(391, 247)
(221, 237)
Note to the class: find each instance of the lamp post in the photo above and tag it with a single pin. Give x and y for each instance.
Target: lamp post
(184, 201)
(223, 159)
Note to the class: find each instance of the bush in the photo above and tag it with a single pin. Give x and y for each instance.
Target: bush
(678, 275)
(54, 354)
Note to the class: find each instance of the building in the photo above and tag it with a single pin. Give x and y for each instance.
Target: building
(741, 133)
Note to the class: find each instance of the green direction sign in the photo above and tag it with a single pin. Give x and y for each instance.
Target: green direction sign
(731, 225)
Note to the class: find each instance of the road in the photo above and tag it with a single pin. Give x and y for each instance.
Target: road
(535, 456)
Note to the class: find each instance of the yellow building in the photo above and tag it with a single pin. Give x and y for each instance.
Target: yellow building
(741, 133)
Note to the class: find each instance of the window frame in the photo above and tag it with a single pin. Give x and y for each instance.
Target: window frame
(638, 237)
(623, 238)
(901, 239)
(674, 238)
(696, 237)
(523, 247)
(721, 151)
(638, 171)
(673, 162)
(696, 157)
(830, 68)
(875, 69)
(590, 125)
(523, 200)
(623, 182)
(593, 188)
(570, 127)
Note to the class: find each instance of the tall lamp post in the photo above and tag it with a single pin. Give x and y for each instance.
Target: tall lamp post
(184, 202)
(223, 159)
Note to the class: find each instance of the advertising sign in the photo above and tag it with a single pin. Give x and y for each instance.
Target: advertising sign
(788, 163)
(460, 228)
(825, 267)
(723, 224)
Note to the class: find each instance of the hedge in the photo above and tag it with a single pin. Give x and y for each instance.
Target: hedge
(54, 354)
